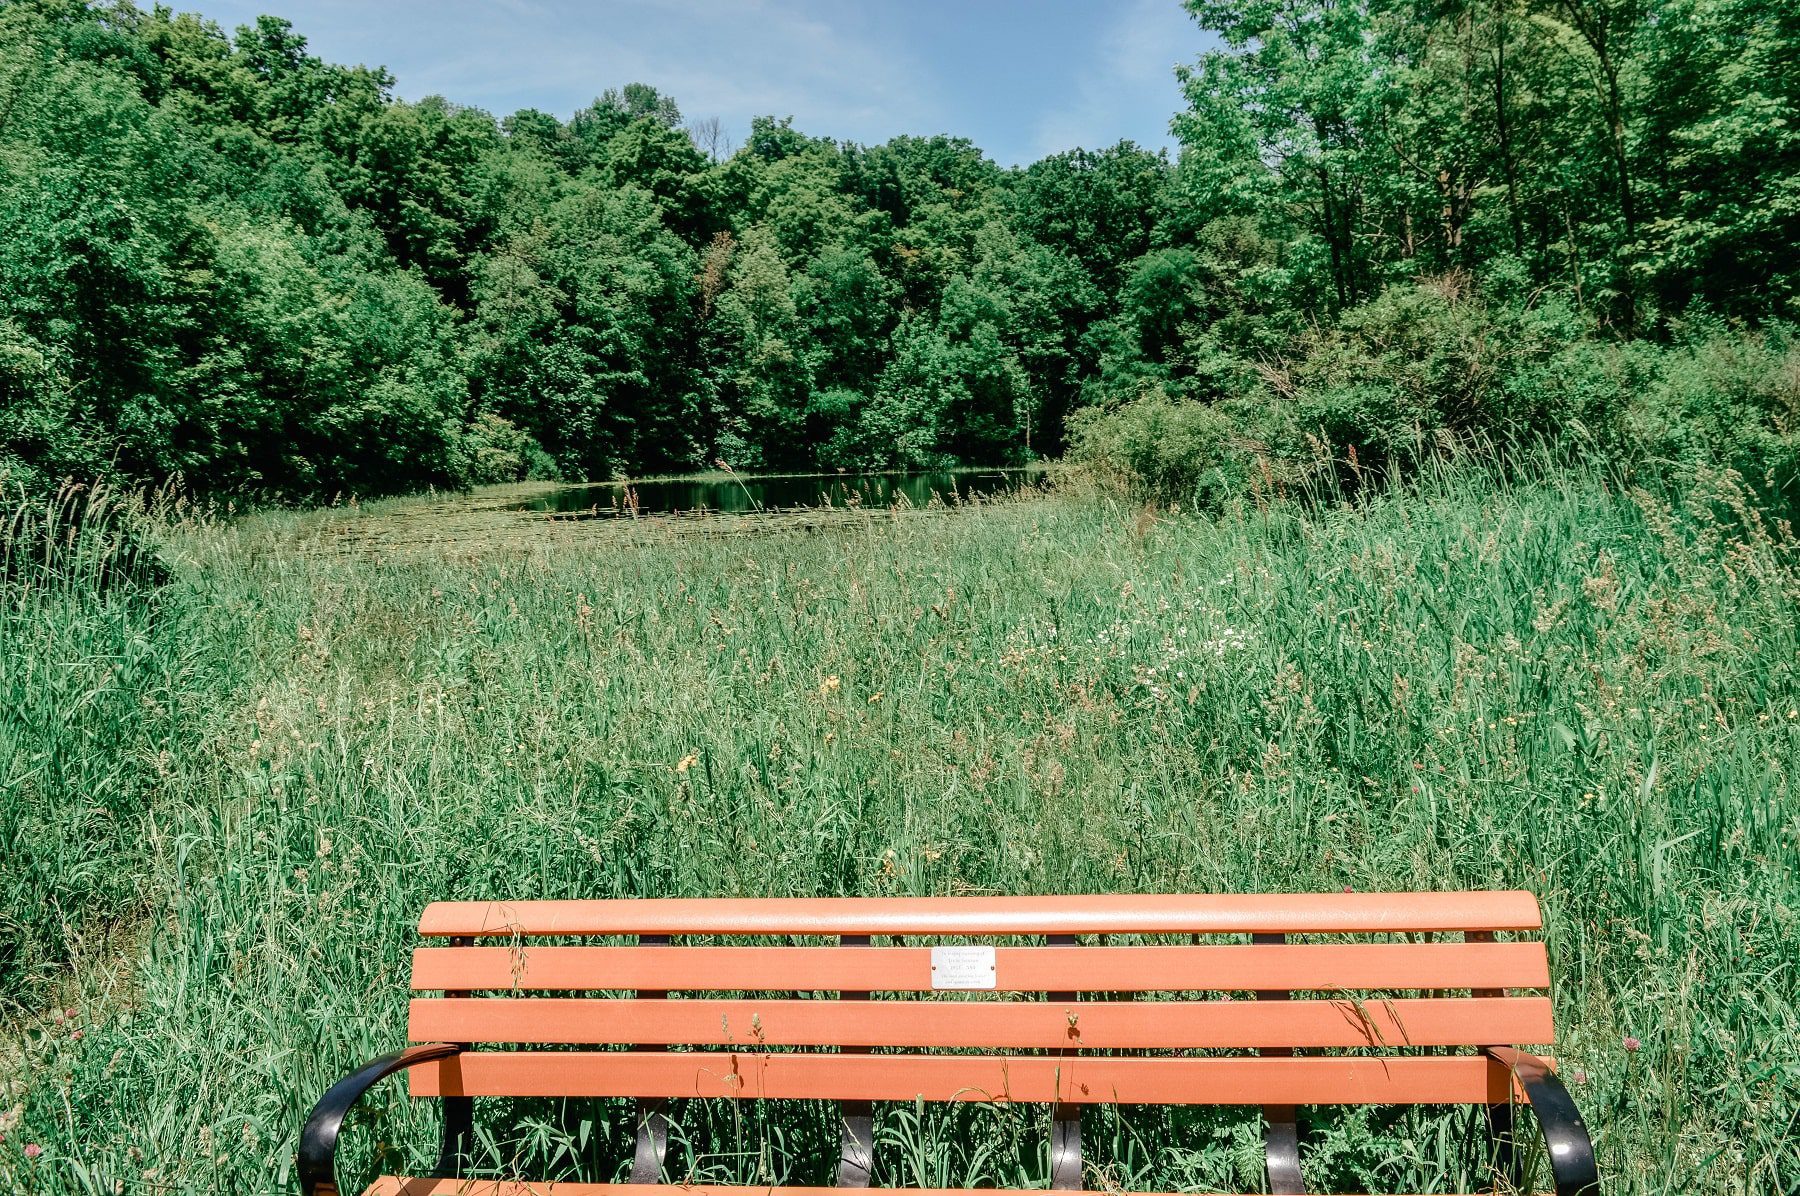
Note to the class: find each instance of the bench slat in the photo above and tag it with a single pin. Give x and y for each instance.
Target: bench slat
(1256, 913)
(995, 1025)
(1307, 967)
(1033, 1078)
(399, 1185)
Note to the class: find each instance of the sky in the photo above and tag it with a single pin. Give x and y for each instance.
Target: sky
(1019, 78)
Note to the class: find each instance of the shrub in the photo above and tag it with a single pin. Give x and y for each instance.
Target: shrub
(1169, 450)
(1440, 365)
(497, 452)
(1434, 356)
(1725, 396)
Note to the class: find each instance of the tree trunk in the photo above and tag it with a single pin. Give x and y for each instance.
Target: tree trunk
(1329, 220)
(1504, 130)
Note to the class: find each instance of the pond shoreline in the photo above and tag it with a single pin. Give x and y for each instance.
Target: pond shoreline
(772, 494)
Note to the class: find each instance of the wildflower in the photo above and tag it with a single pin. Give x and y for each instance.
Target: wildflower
(76, 1035)
(1632, 1045)
(33, 1150)
(830, 685)
(1578, 1077)
(687, 762)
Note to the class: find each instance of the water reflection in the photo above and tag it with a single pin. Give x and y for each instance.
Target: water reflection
(775, 494)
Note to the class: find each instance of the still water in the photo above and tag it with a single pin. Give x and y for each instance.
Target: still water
(777, 493)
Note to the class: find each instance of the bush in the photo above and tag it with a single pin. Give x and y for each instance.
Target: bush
(497, 452)
(1168, 450)
(1440, 365)
(1430, 357)
(1419, 367)
(1729, 397)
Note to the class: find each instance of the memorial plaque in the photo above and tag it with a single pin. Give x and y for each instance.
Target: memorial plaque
(962, 967)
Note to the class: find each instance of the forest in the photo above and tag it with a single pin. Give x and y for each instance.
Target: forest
(232, 268)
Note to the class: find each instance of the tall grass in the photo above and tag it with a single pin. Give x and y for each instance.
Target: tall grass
(88, 712)
(224, 805)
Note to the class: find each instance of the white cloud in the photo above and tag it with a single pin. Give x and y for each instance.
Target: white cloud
(1131, 74)
(734, 59)
(1021, 77)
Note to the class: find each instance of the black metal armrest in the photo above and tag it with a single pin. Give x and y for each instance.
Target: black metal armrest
(318, 1139)
(1566, 1138)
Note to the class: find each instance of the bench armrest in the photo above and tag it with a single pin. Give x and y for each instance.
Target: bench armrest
(1565, 1134)
(317, 1156)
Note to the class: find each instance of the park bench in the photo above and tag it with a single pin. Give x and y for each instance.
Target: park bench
(1277, 1001)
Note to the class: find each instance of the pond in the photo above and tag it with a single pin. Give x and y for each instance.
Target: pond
(733, 494)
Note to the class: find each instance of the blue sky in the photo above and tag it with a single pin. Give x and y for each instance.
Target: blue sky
(1019, 78)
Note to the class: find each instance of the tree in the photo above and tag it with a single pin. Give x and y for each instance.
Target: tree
(1099, 207)
(225, 260)
(584, 323)
(710, 138)
(758, 342)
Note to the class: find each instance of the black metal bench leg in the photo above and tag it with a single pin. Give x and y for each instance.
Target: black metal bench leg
(459, 1112)
(1281, 1140)
(459, 1136)
(856, 1137)
(1503, 1150)
(651, 1146)
(1566, 1141)
(1281, 1127)
(1065, 1119)
(856, 1152)
(1065, 1147)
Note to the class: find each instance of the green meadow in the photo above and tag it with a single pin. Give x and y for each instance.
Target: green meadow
(226, 798)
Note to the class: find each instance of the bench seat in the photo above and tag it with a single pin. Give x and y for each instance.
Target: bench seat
(390, 1185)
(1277, 1002)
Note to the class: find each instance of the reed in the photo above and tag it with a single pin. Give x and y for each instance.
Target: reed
(224, 800)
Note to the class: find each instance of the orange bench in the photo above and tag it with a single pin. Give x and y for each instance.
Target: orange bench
(1392, 999)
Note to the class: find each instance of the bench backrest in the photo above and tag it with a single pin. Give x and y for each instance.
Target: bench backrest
(1068, 999)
